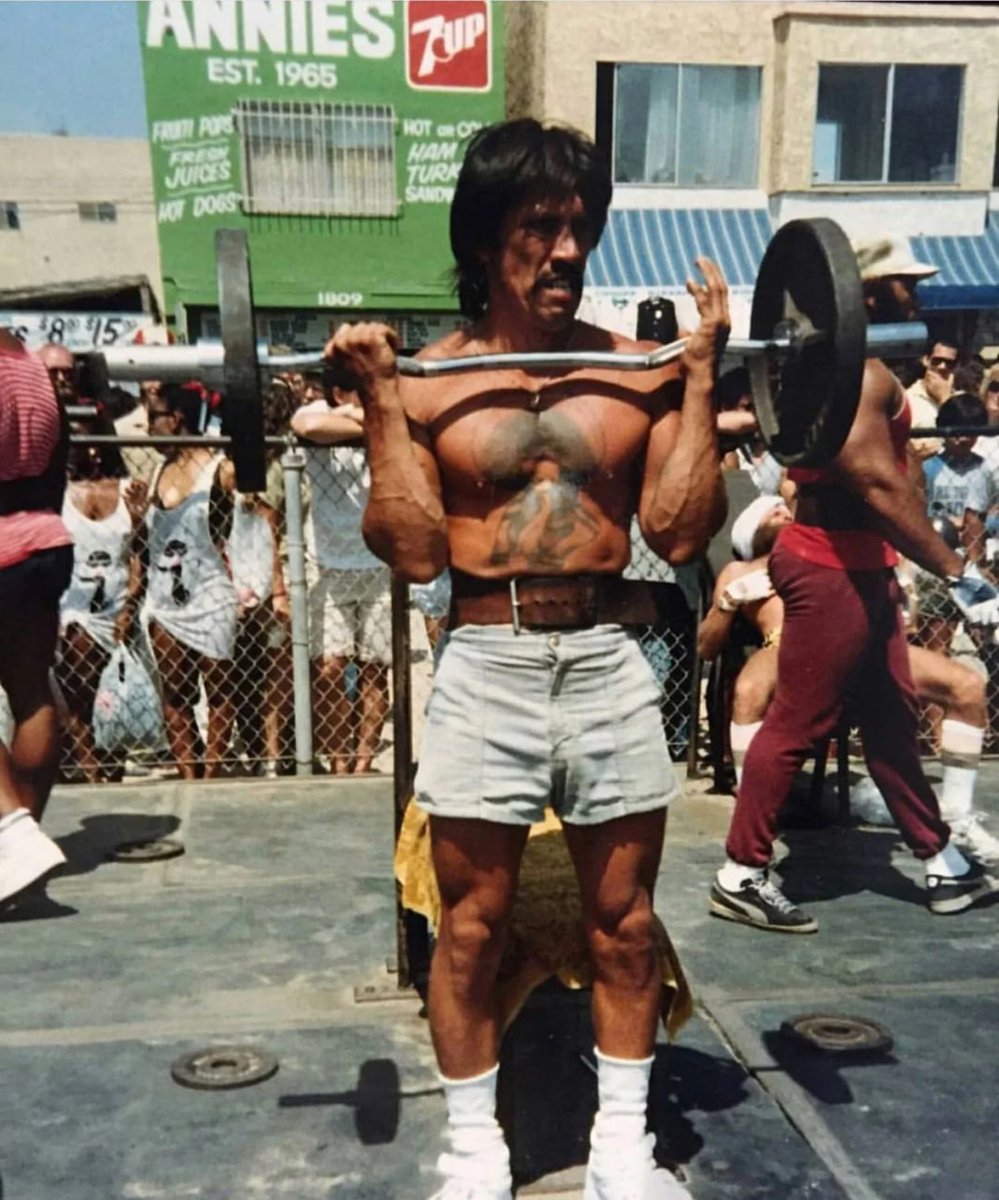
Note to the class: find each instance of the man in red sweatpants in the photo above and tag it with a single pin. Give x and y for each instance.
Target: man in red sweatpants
(843, 640)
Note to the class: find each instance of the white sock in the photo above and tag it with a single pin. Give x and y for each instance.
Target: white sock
(960, 754)
(733, 875)
(471, 1114)
(623, 1089)
(740, 737)
(950, 863)
(18, 814)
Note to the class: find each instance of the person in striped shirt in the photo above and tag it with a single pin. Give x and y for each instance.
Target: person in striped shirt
(36, 561)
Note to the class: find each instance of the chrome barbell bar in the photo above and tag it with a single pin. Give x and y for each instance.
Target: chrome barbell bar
(205, 360)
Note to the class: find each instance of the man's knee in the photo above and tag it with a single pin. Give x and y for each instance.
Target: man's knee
(749, 701)
(471, 935)
(623, 929)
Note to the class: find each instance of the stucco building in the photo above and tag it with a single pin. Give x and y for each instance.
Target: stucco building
(724, 120)
(77, 232)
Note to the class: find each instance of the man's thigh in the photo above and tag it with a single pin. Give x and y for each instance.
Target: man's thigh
(616, 860)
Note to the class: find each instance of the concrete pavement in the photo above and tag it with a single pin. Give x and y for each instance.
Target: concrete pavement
(283, 904)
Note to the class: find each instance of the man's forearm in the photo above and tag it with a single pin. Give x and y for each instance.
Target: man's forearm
(404, 522)
(688, 505)
(713, 632)
(902, 521)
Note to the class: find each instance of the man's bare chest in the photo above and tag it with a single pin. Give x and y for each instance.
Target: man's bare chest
(527, 438)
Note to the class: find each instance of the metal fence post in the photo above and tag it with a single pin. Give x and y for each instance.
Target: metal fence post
(293, 467)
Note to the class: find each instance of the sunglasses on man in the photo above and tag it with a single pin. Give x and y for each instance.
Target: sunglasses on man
(941, 363)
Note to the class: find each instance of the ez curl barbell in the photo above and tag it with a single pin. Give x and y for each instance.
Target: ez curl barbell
(808, 341)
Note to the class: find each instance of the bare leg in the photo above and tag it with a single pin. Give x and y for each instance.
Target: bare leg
(25, 659)
(754, 687)
(333, 711)
(278, 699)
(78, 674)
(374, 703)
(477, 864)
(957, 689)
(617, 864)
(217, 674)
(179, 677)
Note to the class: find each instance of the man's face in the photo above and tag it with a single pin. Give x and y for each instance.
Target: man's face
(892, 300)
(296, 385)
(537, 272)
(958, 448)
(992, 399)
(64, 382)
(150, 391)
(941, 362)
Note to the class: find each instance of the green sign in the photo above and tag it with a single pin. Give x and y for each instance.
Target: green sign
(332, 130)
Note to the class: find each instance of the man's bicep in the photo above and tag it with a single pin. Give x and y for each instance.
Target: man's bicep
(868, 454)
(423, 452)
(663, 433)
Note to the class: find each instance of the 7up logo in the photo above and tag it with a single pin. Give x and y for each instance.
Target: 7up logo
(447, 45)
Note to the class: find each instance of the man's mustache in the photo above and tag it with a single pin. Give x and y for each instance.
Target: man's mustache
(569, 277)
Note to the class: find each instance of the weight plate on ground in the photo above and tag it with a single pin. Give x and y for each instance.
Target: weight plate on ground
(838, 1034)
(806, 400)
(218, 1068)
(154, 850)
(242, 403)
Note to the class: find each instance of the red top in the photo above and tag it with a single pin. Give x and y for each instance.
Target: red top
(847, 549)
(29, 434)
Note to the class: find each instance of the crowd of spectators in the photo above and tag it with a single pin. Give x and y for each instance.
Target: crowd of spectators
(173, 562)
(958, 474)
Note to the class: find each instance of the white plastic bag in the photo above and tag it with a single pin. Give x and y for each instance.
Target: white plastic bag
(251, 555)
(127, 709)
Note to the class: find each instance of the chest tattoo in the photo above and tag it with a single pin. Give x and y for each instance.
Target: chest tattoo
(547, 461)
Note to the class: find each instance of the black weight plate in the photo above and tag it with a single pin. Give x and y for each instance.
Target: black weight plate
(806, 401)
(835, 1034)
(242, 403)
(219, 1068)
(155, 850)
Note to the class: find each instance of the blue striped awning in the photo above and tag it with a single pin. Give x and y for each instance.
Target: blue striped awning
(969, 270)
(656, 247)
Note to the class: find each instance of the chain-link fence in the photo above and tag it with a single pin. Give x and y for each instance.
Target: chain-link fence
(180, 652)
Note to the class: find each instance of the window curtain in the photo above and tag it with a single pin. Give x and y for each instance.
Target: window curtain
(719, 126)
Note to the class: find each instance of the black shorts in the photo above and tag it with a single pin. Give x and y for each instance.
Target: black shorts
(38, 580)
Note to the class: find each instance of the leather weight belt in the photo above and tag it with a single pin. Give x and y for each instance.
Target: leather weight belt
(550, 601)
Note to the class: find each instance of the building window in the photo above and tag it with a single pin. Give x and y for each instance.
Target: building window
(686, 126)
(10, 218)
(995, 161)
(318, 159)
(887, 124)
(102, 211)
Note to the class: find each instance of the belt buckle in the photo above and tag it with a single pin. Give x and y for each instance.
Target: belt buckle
(514, 606)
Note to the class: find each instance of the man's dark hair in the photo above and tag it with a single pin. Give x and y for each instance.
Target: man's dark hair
(504, 165)
(942, 341)
(968, 376)
(963, 408)
(731, 387)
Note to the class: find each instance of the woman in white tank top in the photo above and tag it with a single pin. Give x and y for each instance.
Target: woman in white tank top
(190, 605)
(102, 509)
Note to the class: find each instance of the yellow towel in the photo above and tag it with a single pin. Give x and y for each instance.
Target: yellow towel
(546, 933)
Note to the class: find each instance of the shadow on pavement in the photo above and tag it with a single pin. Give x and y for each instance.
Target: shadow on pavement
(844, 861)
(817, 1073)
(90, 846)
(376, 1101)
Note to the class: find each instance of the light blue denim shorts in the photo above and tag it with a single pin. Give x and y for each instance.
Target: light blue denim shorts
(566, 718)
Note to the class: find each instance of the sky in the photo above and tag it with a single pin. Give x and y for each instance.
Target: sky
(73, 66)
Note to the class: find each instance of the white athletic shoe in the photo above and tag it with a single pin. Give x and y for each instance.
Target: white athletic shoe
(26, 854)
(612, 1175)
(970, 834)
(479, 1176)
